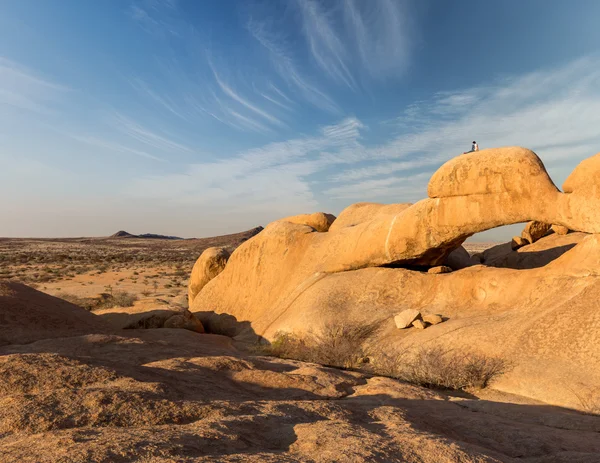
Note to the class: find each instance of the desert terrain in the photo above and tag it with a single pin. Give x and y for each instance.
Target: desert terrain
(141, 270)
(376, 335)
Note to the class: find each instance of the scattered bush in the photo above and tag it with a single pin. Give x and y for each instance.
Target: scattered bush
(123, 299)
(346, 345)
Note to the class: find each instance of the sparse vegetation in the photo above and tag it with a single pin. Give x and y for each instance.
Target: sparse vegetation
(106, 300)
(346, 346)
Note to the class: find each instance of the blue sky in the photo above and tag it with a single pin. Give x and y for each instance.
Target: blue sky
(197, 118)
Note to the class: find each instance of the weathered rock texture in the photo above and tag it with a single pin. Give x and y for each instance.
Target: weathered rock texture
(290, 278)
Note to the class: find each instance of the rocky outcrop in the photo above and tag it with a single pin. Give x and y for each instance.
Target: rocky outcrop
(210, 263)
(290, 273)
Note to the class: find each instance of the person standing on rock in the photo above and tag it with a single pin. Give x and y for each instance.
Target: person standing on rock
(474, 147)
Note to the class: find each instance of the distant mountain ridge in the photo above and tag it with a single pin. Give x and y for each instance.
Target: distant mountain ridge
(124, 234)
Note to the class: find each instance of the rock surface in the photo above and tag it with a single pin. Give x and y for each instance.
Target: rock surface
(165, 396)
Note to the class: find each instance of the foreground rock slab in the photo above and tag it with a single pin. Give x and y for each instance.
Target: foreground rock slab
(172, 395)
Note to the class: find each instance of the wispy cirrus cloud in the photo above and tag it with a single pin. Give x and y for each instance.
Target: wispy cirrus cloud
(144, 135)
(113, 146)
(273, 41)
(229, 92)
(555, 112)
(325, 46)
(25, 89)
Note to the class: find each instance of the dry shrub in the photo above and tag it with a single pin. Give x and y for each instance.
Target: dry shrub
(340, 345)
(123, 299)
(437, 367)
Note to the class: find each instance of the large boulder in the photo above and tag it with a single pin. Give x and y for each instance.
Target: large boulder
(210, 263)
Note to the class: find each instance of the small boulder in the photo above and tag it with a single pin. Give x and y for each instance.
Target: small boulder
(560, 229)
(405, 318)
(518, 242)
(432, 318)
(439, 269)
(418, 324)
(535, 230)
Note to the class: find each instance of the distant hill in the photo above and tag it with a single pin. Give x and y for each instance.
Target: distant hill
(159, 237)
(124, 234)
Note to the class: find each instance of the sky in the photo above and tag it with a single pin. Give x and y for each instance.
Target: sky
(198, 118)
